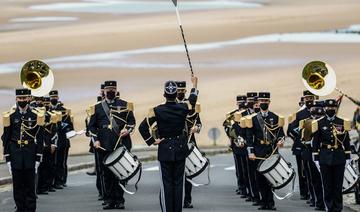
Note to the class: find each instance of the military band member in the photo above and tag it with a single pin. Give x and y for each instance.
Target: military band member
(194, 125)
(331, 149)
(23, 141)
(111, 122)
(267, 135)
(229, 124)
(237, 137)
(311, 172)
(50, 141)
(171, 137)
(252, 107)
(296, 149)
(63, 144)
(356, 147)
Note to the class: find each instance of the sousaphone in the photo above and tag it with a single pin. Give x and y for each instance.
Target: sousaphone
(38, 77)
(320, 79)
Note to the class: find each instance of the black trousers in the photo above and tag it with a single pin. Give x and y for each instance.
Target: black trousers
(188, 189)
(242, 173)
(315, 183)
(66, 156)
(304, 190)
(172, 180)
(267, 197)
(113, 193)
(24, 190)
(60, 166)
(44, 172)
(333, 177)
(99, 174)
(252, 170)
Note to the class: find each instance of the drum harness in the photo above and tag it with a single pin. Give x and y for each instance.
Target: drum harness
(266, 128)
(116, 129)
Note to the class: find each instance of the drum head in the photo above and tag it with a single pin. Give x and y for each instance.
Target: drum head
(114, 157)
(269, 163)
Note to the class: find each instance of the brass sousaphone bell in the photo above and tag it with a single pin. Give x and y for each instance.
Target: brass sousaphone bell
(38, 77)
(319, 78)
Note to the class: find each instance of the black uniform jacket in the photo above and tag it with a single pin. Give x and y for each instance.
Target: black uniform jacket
(23, 139)
(263, 133)
(170, 121)
(331, 142)
(100, 128)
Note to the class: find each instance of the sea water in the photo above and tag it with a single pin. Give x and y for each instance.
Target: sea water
(135, 6)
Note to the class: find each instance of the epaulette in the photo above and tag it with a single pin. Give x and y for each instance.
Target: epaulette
(248, 121)
(130, 106)
(38, 110)
(302, 124)
(291, 118)
(59, 116)
(243, 122)
(40, 120)
(91, 110)
(151, 113)
(197, 108)
(230, 113)
(6, 118)
(347, 124)
(281, 120)
(53, 117)
(237, 116)
(315, 125)
(68, 112)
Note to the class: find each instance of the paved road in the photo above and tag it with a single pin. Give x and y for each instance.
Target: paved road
(219, 196)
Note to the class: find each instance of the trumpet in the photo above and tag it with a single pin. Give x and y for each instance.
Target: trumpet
(320, 79)
(38, 77)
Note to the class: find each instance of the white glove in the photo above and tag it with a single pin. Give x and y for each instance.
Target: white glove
(37, 164)
(317, 164)
(9, 166)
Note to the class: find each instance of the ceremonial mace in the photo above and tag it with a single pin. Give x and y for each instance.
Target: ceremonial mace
(183, 36)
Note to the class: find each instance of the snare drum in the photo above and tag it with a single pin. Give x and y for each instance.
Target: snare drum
(122, 163)
(277, 171)
(351, 177)
(195, 163)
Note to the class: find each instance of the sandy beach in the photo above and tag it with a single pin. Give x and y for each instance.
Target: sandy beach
(223, 72)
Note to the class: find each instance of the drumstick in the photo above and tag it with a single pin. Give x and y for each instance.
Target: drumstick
(258, 158)
(101, 148)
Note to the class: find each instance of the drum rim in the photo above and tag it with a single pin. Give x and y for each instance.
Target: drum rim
(200, 171)
(286, 182)
(271, 167)
(116, 160)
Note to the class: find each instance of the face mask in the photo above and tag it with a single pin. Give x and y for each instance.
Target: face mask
(264, 106)
(257, 109)
(40, 105)
(110, 95)
(22, 104)
(250, 105)
(330, 112)
(309, 104)
(181, 96)
(54, 101)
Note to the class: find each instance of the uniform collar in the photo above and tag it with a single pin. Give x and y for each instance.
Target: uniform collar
(21, 111)
(330, 118)
(264, 114)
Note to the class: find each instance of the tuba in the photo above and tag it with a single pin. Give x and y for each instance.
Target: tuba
(38, 77)
(320, 79)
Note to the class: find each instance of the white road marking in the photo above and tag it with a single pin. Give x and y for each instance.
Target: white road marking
(151, 169)
(231, 168)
